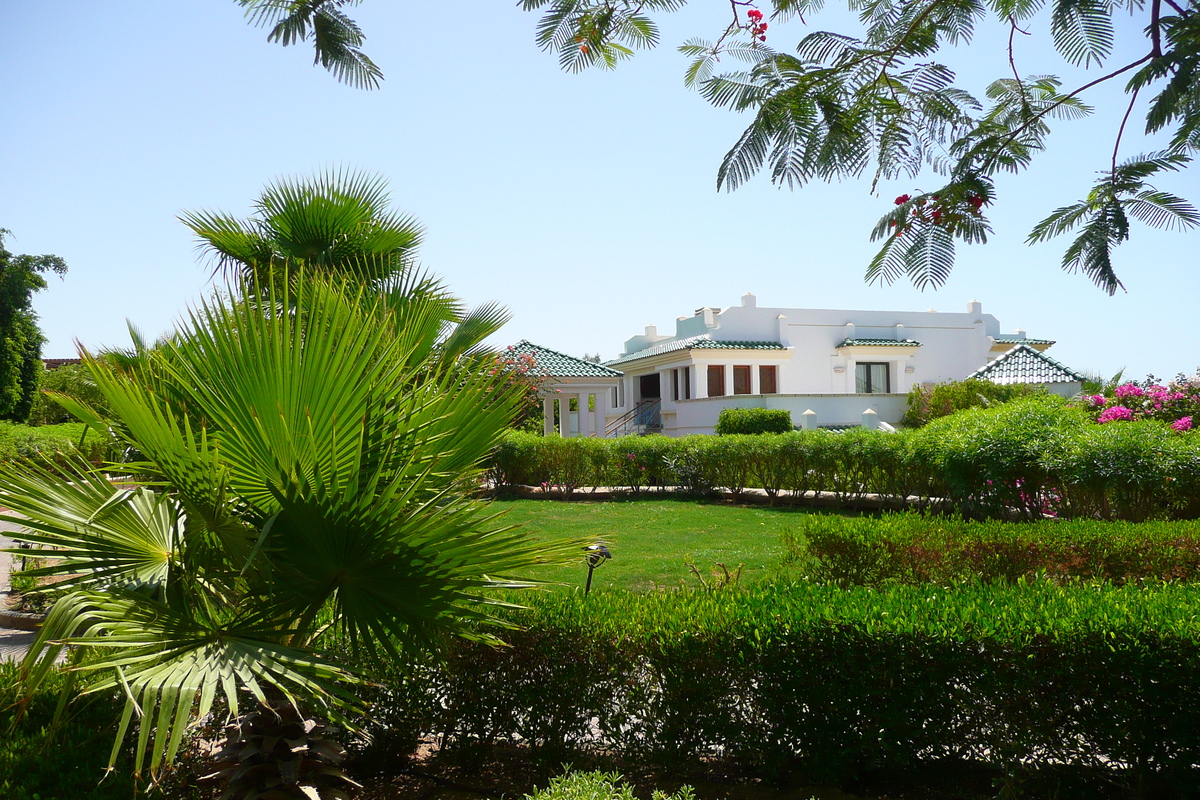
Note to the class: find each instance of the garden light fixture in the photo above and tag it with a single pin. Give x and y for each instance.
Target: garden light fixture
(596, 555)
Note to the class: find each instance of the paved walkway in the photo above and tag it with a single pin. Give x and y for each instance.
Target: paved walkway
(13, 643)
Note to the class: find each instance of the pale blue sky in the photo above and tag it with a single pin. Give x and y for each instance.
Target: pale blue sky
(585, 203)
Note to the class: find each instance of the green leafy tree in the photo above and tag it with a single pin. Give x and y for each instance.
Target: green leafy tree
(308, 511)
(20, 337)
(877, 101)
(70, 379)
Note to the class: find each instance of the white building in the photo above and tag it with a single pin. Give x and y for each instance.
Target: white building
(826, 367)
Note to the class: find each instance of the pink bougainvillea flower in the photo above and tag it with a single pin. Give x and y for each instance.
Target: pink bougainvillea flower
(1182, 424)
(1113, 414)
(1129, 390)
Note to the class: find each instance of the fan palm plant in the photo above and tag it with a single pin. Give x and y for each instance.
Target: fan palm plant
(337, 224)
(309, 469)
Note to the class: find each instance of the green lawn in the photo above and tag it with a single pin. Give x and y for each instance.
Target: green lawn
(653, 541)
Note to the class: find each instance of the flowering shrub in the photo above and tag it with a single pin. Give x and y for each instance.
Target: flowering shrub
(1114, 413)
(522, 369)
(1175, 403)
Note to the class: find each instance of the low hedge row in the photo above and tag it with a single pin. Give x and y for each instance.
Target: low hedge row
(1027, 459)
(832, 682)
(917, 549)
(50, 445)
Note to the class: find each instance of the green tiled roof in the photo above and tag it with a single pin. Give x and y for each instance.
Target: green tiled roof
(554, 364)
(1019, 340)
(702, 342)
(879, 343)
(1023, 364)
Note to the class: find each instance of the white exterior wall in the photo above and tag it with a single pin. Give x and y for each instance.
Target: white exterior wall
(700, 416)
(812, 372)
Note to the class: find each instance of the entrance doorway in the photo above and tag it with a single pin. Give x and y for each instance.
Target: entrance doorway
(649, 387)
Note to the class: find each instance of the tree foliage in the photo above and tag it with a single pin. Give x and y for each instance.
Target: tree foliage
(878, 101)
(20, 337)
(337, 39)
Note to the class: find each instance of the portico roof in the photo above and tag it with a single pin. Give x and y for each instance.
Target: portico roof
(1023, 364)
(554, 364)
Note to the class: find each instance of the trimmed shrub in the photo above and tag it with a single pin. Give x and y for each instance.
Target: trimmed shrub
(926, 404)
(991, 461)
(51, 445)
(915, 549)
(1116, 471)
(1026, 459)
(837, 682)
(753, 420)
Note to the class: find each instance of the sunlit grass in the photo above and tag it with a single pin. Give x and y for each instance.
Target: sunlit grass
(654, 541)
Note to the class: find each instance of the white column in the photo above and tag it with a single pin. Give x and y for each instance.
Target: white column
(810, 419)
(564, 416)
(870, 420)
(665, 387)
(700, 380)
(547, 416)
(728, 379)
(755, 385)
(585, 417)
(601, 412)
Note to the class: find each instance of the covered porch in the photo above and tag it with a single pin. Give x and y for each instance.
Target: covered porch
(576, 394)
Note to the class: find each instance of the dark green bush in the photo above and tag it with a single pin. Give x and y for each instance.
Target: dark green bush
(50, 445)
(917, 549)
(927, 403)
(753, 420)
(837, 682)
(992, 461)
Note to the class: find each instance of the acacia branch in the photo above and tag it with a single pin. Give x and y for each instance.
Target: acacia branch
(1012, 62)
(1013, 134)
(1121, 130)
(1155, 34)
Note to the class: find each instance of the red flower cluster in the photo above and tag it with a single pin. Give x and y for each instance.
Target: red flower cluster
(757, 28)
(939, 212)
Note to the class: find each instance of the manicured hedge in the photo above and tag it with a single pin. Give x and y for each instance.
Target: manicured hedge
(50, 444)
(922, 549)
(1024, 459)
(753, 420)
(835, 682)
(927, 403)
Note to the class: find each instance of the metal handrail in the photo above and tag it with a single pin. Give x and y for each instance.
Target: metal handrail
(642, 417)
